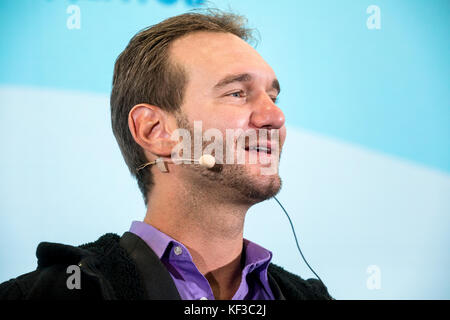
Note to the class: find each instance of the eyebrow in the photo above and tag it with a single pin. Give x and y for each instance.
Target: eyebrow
(242, 77)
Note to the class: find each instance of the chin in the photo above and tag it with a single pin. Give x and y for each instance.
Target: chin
(258, 187)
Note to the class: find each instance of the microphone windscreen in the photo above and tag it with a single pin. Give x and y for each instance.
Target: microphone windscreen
(207, 161)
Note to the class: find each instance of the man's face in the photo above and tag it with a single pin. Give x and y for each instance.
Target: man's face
(230, 86)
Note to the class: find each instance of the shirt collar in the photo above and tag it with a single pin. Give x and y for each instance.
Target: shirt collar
(255, 255)
(158, 241)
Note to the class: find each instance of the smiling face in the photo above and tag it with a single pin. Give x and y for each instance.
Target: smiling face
(230, 86)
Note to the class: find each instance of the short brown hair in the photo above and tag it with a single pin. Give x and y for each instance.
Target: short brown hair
(144, 74)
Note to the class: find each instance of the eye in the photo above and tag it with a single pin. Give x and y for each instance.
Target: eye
(237, 94)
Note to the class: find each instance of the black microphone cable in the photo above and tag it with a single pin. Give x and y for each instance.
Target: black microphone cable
(296, 241)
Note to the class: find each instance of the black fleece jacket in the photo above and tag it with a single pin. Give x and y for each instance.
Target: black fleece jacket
(124, 268)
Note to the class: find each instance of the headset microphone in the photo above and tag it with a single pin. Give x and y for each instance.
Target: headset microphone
(208, 161)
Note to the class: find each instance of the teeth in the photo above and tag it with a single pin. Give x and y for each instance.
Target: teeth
(259, 149)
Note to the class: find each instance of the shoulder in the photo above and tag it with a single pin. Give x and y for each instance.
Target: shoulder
(14, 289)
(50, 279)
(49, 283)
(294, 287)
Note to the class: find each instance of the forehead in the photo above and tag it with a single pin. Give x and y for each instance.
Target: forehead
(207, 55)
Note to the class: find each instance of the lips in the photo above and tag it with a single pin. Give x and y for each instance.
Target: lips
(261, 147)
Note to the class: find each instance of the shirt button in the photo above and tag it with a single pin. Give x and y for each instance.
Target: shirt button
(177, 250)
(203, 298)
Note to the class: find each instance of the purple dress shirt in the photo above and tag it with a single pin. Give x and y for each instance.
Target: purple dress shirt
(191, 284)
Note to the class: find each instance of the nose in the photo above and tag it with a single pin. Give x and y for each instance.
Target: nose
(266, 114)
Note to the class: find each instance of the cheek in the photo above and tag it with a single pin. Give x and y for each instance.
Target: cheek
(228, 119)
(215, 115)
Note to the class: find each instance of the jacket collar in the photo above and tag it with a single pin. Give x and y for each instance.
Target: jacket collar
(156, 279)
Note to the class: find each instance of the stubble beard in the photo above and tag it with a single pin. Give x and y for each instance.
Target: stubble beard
(233, 182)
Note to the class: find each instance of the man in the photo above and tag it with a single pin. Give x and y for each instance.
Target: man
(187, 70)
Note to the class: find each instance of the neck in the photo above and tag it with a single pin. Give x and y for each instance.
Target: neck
(210, 226)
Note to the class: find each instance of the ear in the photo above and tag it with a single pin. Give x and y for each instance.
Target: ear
(151, 128)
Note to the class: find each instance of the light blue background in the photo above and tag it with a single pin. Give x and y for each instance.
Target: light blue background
(382, 95)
